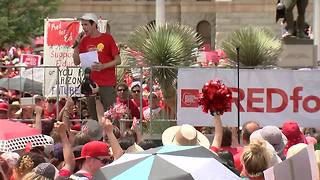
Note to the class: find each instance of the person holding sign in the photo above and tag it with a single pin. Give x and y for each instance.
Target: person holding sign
(103, 71)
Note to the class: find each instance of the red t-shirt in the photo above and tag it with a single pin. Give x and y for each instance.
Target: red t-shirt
(137, 103)
(107, 50)
(133, 108)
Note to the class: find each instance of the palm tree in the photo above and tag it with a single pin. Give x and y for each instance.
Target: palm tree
(170, 45)
(258, 46)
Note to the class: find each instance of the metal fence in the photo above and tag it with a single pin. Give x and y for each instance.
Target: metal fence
(39, 80)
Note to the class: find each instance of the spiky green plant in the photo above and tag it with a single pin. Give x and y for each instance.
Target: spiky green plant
(169, 45)
(258, 46)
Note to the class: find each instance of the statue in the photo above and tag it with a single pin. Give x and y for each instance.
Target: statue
(285, 10)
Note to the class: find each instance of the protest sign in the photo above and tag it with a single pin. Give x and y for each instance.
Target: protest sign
(63, 79)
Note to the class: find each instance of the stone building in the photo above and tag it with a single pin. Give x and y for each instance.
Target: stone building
(214, 19)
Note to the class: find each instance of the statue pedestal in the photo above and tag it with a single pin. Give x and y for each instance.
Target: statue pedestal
(297, 53)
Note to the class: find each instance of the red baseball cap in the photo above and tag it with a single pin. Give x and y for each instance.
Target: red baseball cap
(94, 149)
(4, 106)
(291, 130)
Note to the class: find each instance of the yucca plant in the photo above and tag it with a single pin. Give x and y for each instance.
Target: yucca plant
(170, 45)
(258, 46)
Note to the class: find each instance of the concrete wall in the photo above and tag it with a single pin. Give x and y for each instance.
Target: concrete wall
(224, 16)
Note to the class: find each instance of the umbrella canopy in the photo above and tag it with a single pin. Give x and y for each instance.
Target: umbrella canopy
(15, 135)
(22, 84)
(168, 162)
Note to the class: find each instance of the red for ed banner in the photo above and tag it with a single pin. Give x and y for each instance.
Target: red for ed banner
(62, 33)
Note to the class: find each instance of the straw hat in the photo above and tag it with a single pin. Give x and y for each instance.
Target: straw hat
(184, 135)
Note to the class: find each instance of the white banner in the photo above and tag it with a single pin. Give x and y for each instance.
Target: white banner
(267, 96)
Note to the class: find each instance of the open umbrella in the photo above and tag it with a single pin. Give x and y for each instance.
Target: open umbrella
(22, 84)
(15, 136)
(167, 162)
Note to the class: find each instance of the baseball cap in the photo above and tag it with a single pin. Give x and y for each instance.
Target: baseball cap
(4, 106)
(135, 83)
(273, 135)
(292, 131)
(47, 170)
(89, 16)
(93, 129)
(94, 149)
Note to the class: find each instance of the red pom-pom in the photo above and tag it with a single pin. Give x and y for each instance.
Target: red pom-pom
(215, 97)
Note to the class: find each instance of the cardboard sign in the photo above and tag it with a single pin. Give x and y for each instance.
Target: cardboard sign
(300, 166)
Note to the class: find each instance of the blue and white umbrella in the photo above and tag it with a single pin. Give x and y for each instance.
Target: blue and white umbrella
(168, 162)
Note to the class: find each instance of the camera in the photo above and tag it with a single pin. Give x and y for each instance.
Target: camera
(86, 83)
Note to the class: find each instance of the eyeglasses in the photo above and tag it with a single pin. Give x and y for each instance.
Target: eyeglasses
(136, 91)
(123, 90)
(104, 160)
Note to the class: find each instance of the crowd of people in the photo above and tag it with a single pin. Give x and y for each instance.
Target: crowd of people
(80, 149)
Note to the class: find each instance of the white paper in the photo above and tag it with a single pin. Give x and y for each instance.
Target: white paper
(88, 59)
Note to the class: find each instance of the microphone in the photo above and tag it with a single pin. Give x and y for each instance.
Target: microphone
(77, 41)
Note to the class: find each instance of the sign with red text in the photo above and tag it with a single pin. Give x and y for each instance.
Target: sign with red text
(59, 36)
(267, 96)
(30, 60)
(62, 33)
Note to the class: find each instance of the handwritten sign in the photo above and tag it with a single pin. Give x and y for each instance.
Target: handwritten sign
(62, 33)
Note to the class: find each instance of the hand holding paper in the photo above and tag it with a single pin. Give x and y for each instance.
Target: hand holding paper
(88, 59)
(97, 66)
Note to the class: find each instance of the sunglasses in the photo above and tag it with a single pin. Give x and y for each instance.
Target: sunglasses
(123, 90)
(104, 160)
(136, 91)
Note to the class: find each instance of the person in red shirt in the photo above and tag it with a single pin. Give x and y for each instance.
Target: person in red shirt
(136, 95)
(123, 98)
(102, 73)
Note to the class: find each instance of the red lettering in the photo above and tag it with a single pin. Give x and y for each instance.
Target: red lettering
(251, 100)
(235, 97)
(295, 98)
(306, 101)
(284, 102)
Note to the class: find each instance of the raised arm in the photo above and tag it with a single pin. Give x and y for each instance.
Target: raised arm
(218, 131)
(37, 121)
(113, 141)
(67, 148)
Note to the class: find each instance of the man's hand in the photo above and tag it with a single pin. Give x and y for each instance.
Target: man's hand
(60, 127)
(95, 90)
(97, 66)
(107, 125)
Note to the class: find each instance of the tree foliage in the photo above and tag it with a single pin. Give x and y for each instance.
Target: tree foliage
(22, 20)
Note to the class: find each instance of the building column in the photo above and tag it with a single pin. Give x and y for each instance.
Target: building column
(160, 12)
